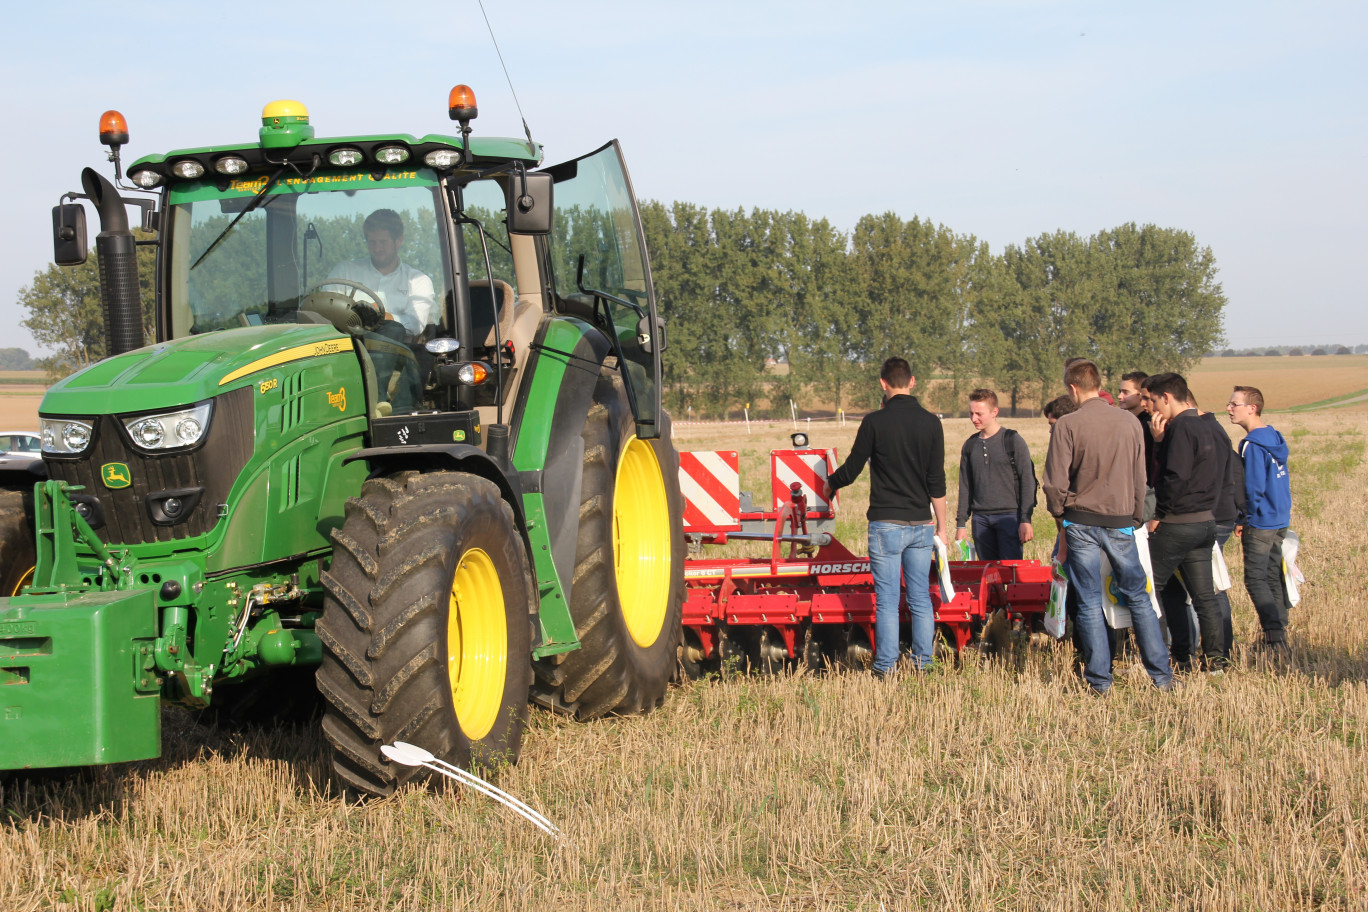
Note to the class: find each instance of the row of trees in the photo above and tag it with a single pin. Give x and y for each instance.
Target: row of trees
(1294, 350)
(15, 359)
(771, 306)
(740, 290)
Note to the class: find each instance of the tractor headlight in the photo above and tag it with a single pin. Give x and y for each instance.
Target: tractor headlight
(391, 155)
(171, 430)
(65, 436)
(345, 157)
(188, 168)
(146, 178)
(230, 165)
(442, 159)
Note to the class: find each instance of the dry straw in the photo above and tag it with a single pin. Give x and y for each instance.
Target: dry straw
(995, 785)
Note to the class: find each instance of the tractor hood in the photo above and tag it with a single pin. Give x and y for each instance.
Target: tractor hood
(187, 370)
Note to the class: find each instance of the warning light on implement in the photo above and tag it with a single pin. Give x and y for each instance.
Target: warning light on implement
(461, 104)
(113, 129)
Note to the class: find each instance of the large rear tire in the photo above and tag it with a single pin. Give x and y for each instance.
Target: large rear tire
(627, 596)
(427, 628)
(17, 551)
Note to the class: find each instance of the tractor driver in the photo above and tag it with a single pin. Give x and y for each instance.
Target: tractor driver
(406, 293)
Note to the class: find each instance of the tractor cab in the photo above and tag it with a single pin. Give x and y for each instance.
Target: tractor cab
(437, 256)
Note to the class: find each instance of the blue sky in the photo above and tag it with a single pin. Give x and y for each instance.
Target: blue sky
(1244, 123)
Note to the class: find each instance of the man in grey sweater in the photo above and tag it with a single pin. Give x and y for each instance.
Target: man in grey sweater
(996, 484)
(1095, 488)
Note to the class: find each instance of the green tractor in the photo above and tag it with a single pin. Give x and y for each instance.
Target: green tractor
(399, 439)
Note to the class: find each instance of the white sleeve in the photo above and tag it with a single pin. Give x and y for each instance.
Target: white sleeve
(422, 301)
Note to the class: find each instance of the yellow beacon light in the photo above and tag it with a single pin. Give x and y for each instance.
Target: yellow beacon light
(284, 125)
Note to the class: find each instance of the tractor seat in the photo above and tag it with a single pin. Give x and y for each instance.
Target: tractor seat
(484, 310)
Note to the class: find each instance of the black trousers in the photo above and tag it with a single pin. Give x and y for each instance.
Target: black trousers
(1185, 548)
(1174, 597)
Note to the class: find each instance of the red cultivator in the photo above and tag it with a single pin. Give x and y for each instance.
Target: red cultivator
(814, 603)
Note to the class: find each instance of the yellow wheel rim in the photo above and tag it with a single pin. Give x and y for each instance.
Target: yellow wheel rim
(25, 580)
(642, 542)
(477, 644)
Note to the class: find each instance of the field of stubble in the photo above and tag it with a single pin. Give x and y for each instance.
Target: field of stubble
(994, 785)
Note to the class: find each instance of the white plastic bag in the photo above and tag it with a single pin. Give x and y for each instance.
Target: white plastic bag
(1142, 548)
(964, 550)
(943, 571)
(1220, 573)
(1056, 613)
(1292, 577)
(1117, 613)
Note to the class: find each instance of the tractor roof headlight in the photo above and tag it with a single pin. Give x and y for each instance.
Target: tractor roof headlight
(345, 157)
(442, 159)
(169, 430)
(146, 178)
(230, 165)
(188, 168)
(65, 436)
(391, 155)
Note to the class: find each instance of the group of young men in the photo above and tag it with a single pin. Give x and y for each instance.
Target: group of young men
(1152, 474)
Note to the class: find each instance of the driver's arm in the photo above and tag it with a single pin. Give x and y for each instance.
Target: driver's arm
(422, 302)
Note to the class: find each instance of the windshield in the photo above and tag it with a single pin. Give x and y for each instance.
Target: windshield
(377, 238)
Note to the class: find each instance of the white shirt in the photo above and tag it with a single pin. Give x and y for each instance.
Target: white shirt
(406, 292)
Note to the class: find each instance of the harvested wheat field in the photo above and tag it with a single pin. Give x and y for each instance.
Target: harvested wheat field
(997, 784)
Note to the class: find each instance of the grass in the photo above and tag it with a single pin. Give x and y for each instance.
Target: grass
(994, 785)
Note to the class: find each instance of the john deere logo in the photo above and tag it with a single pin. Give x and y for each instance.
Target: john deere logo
(115, 475)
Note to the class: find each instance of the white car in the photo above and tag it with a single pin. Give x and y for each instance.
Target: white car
(20, 443)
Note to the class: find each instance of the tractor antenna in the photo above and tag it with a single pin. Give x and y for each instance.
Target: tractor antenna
(526, 129)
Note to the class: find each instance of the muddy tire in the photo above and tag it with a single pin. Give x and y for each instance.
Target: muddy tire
(627, 596)
(17, 552)
(426, 628)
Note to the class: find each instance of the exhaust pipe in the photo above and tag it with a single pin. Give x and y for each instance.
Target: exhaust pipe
(120, 296)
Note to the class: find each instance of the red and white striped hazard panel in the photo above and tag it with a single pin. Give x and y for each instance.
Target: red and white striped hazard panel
(809, 468)
(711, 484)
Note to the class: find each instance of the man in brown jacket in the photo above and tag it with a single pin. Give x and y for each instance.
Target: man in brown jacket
(1094, 486)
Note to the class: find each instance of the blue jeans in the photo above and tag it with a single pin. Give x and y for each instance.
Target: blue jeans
(997, 536)
(898, 553)
(1086, 546)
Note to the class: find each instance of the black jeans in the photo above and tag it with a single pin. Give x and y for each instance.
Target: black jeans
(1186, 548)
(1263, 578)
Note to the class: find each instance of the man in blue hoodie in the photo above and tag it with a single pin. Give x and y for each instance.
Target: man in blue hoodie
(1268, 512)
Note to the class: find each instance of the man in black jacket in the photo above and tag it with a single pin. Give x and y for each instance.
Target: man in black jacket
(1193, 470)
(905, 447)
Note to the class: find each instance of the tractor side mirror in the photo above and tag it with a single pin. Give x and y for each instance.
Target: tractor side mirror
(529, 203)
(68, 234)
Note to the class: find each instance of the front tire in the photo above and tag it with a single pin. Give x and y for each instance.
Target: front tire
(426, 629)
(17, 552)
(627, 596)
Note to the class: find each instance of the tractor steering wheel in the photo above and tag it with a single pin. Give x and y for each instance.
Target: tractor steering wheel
(370, 313)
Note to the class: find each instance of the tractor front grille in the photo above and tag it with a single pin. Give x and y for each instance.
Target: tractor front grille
(212, 467)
